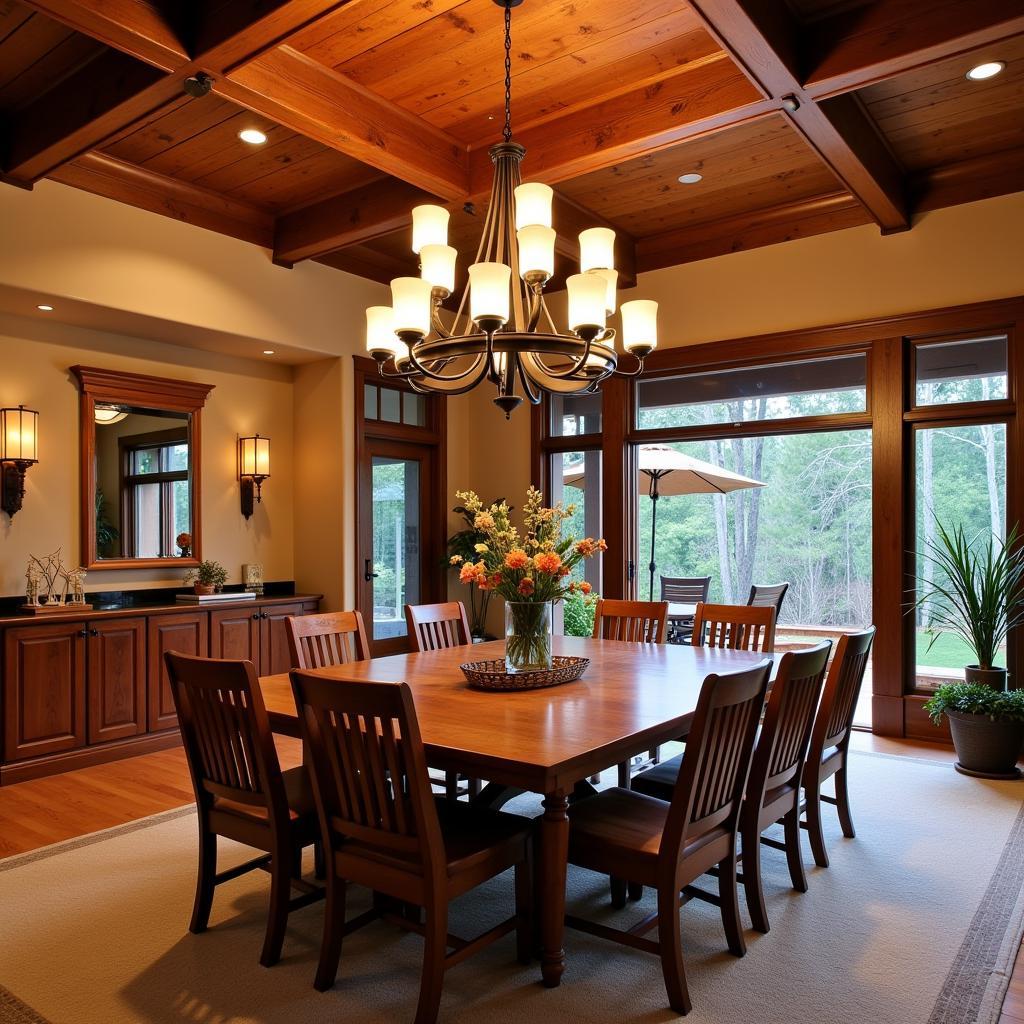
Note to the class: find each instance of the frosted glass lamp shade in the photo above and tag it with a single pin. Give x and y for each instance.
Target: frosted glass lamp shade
(410, 298)
(536, 250)
(437, 265)
(429, 227)
(380, 330)
(489, 292)
(19, 435)
(640, 325)
(254, 457)
(533, 204)
(587, 294)
(611, 278)
(597, 249)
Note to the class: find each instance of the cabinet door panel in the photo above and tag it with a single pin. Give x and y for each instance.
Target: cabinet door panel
(117, 679)
(236, 634)
(274, 654)
(44, 690)
(186, 633)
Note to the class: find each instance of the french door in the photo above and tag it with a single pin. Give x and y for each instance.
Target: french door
(399, 538)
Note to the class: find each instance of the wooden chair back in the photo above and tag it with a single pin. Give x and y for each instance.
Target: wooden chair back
(368, 767)
(226, 732)
(713, 776)
(433, 627)
(737, 626)
(636, 621)
(768, 596)
(685, 589)
(842, 688)
(333, 638)
(788, 719)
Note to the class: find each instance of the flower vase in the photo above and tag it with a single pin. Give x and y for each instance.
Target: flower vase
(527, 636)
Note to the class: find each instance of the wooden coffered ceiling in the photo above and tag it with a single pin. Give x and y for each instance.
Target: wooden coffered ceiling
(803, 116)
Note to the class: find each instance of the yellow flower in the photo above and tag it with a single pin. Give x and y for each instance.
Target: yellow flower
(484, 521)
(455, 560)
(481, 549)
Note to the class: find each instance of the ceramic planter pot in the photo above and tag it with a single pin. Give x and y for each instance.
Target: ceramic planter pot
(203, 588)
(985, 748)
(992, 677)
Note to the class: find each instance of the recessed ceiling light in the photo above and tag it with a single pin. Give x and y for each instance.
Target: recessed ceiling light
(989, 69)
(690, 178)
(268, 351)
(45, 308)
(253, 136)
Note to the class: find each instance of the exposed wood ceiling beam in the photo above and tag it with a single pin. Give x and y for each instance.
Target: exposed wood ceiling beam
(322, 104)
(363, 261)
(699, 100)
(994, 174)
(854, 49)
(128, 183)
(763, 38)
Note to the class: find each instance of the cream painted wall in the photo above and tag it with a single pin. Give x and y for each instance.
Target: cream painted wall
(247, 397)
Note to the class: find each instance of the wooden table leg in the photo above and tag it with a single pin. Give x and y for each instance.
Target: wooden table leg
(554, 857)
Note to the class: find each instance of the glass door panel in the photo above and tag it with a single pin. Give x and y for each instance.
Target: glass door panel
(396, 544)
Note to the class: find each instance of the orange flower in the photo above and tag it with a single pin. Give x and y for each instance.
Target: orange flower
(586, 587)
(526, 586)
(601, 545)
(548, 561)
(585, 547)
(470, 572)
(517, 559)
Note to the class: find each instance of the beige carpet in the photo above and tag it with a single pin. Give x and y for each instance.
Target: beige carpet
(914, 923)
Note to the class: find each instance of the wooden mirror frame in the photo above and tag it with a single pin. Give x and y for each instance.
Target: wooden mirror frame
(136, 389)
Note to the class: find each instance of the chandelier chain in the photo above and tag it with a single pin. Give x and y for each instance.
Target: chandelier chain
(507, 133)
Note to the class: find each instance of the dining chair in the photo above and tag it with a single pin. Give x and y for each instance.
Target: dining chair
(829, 750)
(435, 627)
(241, 792)
(381, 827)
(768, 595)
(683, 590)
(638, 840)
(736, 626)
(635, 621)
(331, 638)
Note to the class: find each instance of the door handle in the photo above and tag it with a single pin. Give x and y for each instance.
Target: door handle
(94, 632)
(83, 633)
(369, 574)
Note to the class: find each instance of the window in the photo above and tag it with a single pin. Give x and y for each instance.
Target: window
(963, 370)
(573, 415)
(810, 387)
(154, 492)
(391, 405)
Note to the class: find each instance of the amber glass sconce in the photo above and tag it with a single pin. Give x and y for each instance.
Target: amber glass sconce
(19, 449)
(253, 469)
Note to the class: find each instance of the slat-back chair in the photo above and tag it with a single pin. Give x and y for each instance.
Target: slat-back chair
(830, 739)
(333, 638)
(634, 621)
(683, 590)
(382, 828)
(639, 840)
(435, 627)
(736, 626)
(768, 596)
(240, 790)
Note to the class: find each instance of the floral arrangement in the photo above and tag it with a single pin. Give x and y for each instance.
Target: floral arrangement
(531, 567)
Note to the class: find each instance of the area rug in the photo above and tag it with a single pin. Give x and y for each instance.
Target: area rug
(916, 922)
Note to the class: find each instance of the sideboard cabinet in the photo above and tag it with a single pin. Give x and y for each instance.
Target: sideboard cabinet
(80, 690)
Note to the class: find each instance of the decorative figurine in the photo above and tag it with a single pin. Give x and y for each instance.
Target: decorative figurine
(31, 586)
(252, 577)
(50, 570)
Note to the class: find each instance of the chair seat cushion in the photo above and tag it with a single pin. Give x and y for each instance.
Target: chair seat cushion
(297, 791)
(659, 781)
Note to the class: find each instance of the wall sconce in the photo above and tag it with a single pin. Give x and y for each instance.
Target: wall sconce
(253, 469)
(19, 449)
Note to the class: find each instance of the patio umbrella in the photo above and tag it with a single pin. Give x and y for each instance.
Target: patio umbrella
(663, 470)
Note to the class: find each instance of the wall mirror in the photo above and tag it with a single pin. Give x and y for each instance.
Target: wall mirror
(141, 469)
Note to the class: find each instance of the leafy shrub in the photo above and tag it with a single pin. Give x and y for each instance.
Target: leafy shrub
(977, 699)
(579, 612)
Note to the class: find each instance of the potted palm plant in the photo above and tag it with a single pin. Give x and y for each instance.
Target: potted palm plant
(979, 597)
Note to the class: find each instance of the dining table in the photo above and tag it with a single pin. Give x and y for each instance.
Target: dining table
(631, 698)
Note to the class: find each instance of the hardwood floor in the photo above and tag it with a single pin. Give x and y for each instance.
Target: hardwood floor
(45, 811)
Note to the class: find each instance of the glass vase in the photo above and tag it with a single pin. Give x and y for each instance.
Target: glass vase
(527, 636)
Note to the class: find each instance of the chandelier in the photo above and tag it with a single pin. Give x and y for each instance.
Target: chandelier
(507, 335)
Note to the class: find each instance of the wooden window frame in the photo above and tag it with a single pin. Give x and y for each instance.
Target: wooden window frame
(890, 344)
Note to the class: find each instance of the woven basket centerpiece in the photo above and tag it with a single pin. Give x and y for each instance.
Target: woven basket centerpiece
(492, 675)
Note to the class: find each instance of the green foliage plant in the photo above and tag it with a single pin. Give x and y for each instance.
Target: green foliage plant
(976, 699)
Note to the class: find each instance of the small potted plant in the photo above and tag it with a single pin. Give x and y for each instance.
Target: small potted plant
(207, 577)
(979, 597)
